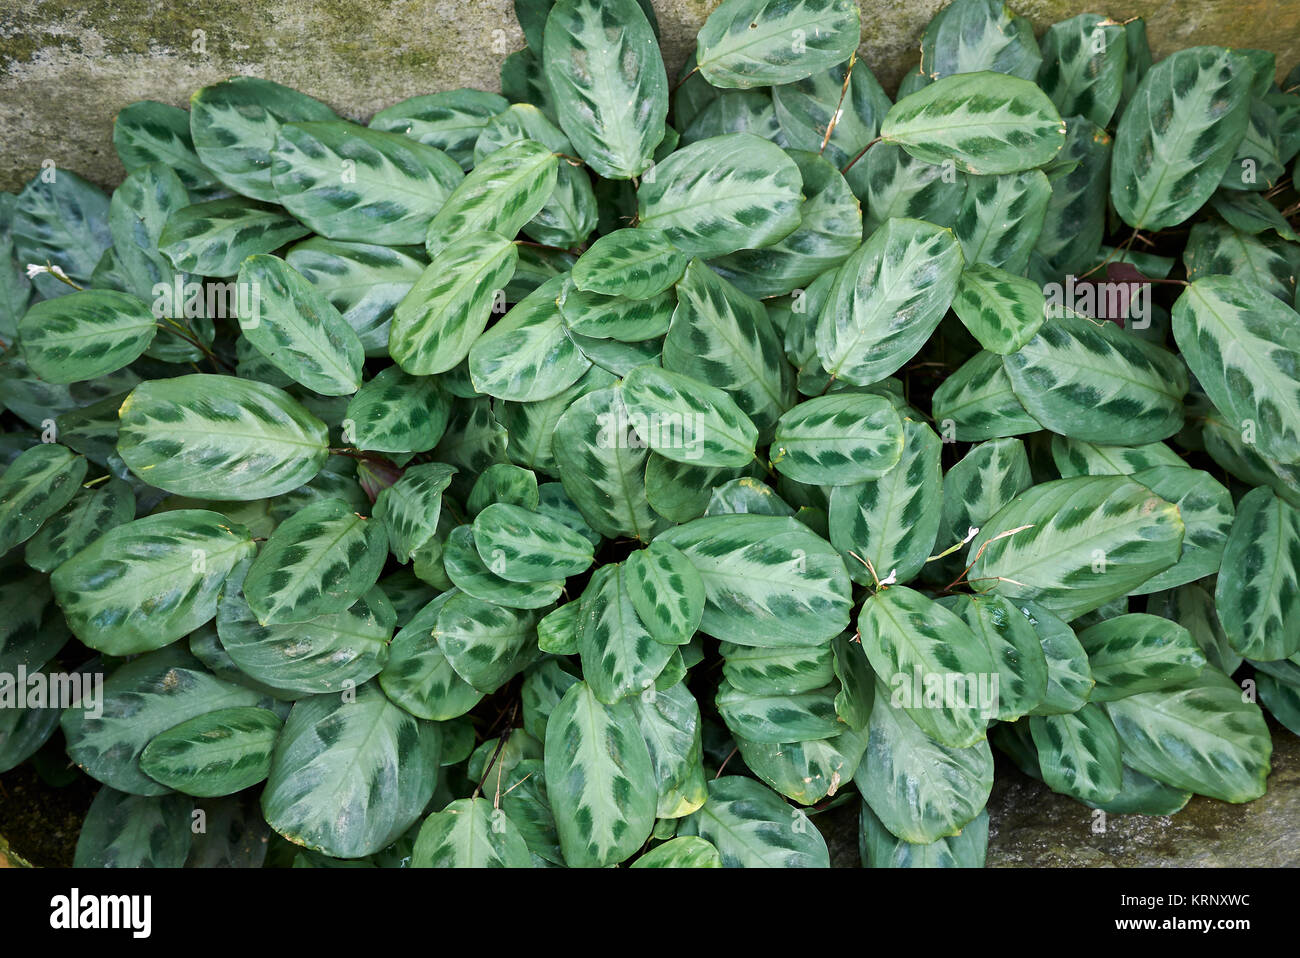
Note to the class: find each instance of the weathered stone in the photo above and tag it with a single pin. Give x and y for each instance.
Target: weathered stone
(67, 67)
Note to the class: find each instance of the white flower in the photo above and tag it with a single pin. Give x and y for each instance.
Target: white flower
(35, 269)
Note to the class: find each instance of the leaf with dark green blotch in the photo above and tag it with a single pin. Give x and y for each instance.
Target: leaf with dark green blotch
(603, 64)
(318, 561)
(747, 43)
(599, 779)
(522, 545)
(486, 644)
(922, 791)
(666, 591)
(447, 309)
(686, 420)
(397, 412)
(1177, 135)
(217, 753)
(466, 568)
(1139, 653)
(418, 676)
(36, 485)
(623, 318)
(147, 133)
(685, 851)
(838, 440)
(469, 833)
(132, 831)
(1202, 736)
(214, 238)
(887, 299)
(89, 514)
(983, 122)
(722, 194)
(528, 355)
(636, 263)
(348, 777)
(1257, 597)
(449, 121)
(974, 35)
(85, 335)
(410, 507)
(1073, 545)
(620, 657)
(752, 827)
(768, 581)
(347, 182)
(1084, 59)
(1015, 649)
(1079, 754)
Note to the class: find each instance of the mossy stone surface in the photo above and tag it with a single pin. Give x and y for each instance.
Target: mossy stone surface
(67, 67)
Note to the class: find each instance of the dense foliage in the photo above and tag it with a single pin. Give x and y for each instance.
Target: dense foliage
(625, 471)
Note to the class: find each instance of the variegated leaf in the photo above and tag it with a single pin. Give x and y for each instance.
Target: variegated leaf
(620, 657)
(85, 335)
(747, 43)
(838, 440)
(214, 238)
(1079, 754)
(1257, 595)
(636, 263)
(1139, 653)
(36, 485)
(217, 753)
(752, 827)
(469, 833)
(666, 591)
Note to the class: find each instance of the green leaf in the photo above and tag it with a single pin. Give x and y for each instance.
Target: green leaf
(364, 282)
(1207, 512)
(878, 848)
(141, 699)
(595, 316)
(147, 583)
(528, 356)
(976, 35)
(666, 591)
(418, 676)
(983, 122)
(350, 774)
(721, 194)
(601, 462)
(1093, 381)
(775, 719)
(328, 653)
(921, 791)
(396, 412)
(830, 229)
(61, 220)
(486, 644)
(975, 488)
(85, 335)
(599, 779)
(1003, 311)
(449, 121)
(888, 298)
(747, 43)
(838, 440)
(1079, 754)
(894, 184)
(1074, 457)
(768, 581)
(1201, 736)
(603, 64)
(1256, 595)
(410, 507)
(218, 437)
(977, 402)
(466, 568)
(1014, 647)
(469, 833)
(752, 827)
(500, 195)
(1075, 222)
(1001, 218)
(526, 546)
(637, 263)
(235, 123)
(620, 656)
(35, 486)
(916, 645)
(891, 522)
(217, 753)
(294, 326)
(436, 323)
(777, 670)
(130, 831)
(89, 514)
(214, 238)
(349, 183)
(1069, 676)
(725, 338)
(1177, 136)
(685, 851)
(1086, 541)
(805, 772)
(147, 133)
(318, 561)
(1084, 59)
(808, 107)
(1139, 653)
(1243, 346)
(687, 421)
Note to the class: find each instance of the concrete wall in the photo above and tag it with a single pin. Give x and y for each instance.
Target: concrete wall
(67, 66)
